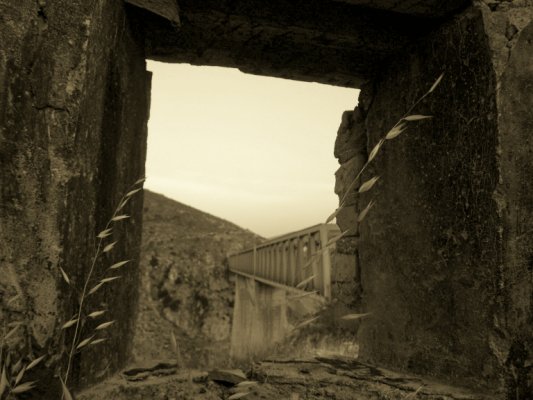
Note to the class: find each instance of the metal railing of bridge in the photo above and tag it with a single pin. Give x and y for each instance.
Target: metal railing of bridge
(299, 260)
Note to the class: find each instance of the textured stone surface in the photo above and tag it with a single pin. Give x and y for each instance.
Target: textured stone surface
(168, 9)
(444, 253)
(323, 41)
(432, 240)
(427, 8)
(515, 200)
(340, 378)
(346, 378)
(70, 143)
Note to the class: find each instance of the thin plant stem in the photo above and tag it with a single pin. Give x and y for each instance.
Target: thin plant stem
(77, 330)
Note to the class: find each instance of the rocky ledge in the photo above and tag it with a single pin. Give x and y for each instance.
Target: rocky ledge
(317, 378)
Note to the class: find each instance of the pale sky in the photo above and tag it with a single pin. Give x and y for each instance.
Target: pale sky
(256, 151)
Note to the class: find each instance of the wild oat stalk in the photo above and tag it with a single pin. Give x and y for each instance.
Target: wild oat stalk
(77, 319)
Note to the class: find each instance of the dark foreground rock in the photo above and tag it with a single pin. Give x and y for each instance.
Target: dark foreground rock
(316, 378)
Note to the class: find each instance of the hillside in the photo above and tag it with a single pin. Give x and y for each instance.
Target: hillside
(184, 285)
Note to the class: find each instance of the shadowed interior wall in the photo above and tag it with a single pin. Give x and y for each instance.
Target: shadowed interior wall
(444, 259)
(71, 142)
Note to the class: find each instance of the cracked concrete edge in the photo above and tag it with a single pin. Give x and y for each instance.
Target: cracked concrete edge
(167, 9)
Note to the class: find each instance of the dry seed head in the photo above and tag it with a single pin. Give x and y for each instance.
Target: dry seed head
(131, 193)
(35, 362)
(110, 279)
(436, 83)
(109, 247)
(394, 132)
(65, 276)
(94, 289)
(332, 216)
(305, 323)
(365, 187)
(299, 296)
(417, 117)
(375, 150)
(23, 387)
(124, 202)
(66, 392)
(105, 325)
(334, 240)
(351, 317)
(68, 324)
(3, 381)
(12, 331)
(84, 342)
(19, 376)
(16, 367)
(363, 213)
(119, 264)
(105, 233)
(305, 281)
(96, 314)
(120, 217)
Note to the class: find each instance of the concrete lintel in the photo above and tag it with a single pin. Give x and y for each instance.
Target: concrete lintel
(167, 9)
(333, 43)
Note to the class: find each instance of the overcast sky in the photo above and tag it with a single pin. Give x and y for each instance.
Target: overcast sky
(254, 150)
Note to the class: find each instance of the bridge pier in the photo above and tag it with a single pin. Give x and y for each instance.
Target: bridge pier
(259, 318)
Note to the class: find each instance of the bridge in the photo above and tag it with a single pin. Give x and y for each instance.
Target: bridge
(282, 282)
(294, 262)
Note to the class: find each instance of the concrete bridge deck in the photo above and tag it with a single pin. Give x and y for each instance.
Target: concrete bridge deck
(299, 260)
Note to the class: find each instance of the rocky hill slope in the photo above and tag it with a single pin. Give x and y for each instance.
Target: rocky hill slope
(185, 291)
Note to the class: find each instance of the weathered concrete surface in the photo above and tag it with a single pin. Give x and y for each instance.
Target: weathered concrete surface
(426, 8)
(70, 143)
(445, 253)
(324, 41)
(512, 41)
(167, 9)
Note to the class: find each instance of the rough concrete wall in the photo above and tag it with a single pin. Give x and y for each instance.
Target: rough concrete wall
(70, 142)
(351, 152)
(510, 28)
(434, 251)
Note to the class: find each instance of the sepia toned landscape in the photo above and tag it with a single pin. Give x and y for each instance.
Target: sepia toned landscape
(416, 284)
